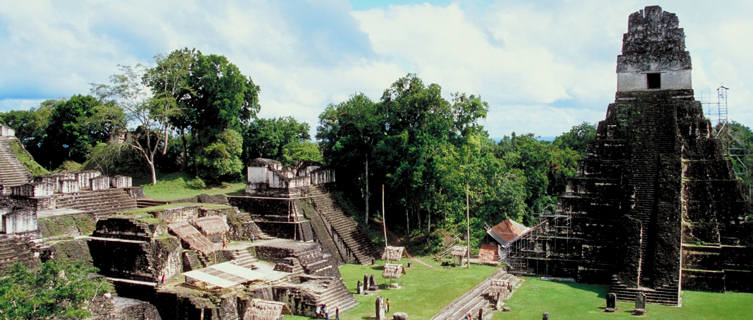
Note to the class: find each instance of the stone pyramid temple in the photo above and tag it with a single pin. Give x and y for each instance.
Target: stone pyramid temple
(655, 206)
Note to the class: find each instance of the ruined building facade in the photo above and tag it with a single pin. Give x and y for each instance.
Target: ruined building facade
(655, 205)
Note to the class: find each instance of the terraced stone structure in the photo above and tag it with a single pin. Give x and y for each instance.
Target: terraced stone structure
(204, 277)
(654, 186)
(296, 203)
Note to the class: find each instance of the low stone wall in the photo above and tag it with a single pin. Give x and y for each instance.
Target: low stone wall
(68, 186)
(100, 183)
(262, 206)
(177, 214)
(84, 178)
(121, 182)
(19, 221)
(34, 190)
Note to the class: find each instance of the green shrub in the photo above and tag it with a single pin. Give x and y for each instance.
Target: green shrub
(196, 183)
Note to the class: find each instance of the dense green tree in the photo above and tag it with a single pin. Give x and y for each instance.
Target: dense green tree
(220, 160)
(31, 125)
(267, 138)
(222, 99)
(347, 133)
(75, 126)
(55, 291)
(578, 138)
(299, 151)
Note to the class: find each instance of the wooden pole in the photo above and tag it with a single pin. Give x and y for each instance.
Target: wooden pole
(384, 220)
(468, 226)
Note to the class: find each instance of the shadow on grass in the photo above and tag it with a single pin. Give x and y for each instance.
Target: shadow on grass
(599, 289)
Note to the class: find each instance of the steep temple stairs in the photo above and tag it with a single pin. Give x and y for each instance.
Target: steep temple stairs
(12, 172)
(480, 297)
(99, 203)
(16, 249)
(348, 240)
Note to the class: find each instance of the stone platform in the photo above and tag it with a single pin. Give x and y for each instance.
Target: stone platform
(227, 274)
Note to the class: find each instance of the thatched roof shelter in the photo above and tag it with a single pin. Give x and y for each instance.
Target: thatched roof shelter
(258, 309)
(459, 251)
(393, 271)
(393, 253)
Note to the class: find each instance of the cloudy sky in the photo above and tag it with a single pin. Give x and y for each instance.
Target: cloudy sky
(542, 66)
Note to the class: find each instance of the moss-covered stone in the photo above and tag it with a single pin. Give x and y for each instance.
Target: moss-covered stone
(67, 225)
(26, 159)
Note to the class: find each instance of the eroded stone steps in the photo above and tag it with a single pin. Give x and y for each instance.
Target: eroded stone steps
(12, 172)
(99, 203)
(346, 228)
(16, 250)
(336, 295)
(476, 299)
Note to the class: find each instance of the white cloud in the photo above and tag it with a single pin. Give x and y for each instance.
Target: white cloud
(542, 67)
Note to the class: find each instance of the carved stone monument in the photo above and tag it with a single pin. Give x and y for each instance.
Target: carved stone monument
(640, 304)
(611, 302)
(372, 284)
(379, 308)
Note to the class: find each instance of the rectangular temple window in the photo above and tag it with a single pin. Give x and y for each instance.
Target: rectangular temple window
(653, 80)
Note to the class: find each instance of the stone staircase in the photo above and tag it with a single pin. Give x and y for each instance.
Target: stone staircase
(667, 295)
(99, 203)
(344, 226)
(16, 249)
(145, 203)
(336, 295)
(242, 257)
(193, 238)
(12, 172)
(477, 298)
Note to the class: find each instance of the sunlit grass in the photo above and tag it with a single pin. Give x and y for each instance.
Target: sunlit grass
(424, 291)
(176, 186)
(567, 300)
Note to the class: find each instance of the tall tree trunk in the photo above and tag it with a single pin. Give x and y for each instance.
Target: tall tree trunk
(167, 132)
(185, 152)
(154, 173)
(366, 214)
(428, 222)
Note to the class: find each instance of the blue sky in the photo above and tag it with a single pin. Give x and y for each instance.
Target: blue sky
(542, 66)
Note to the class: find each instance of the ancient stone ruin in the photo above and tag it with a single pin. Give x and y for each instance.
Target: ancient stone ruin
(201, 258)
(296, 203)
(655, 206)
(488, 295)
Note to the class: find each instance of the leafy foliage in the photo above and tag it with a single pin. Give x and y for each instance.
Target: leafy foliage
(75, 126)
(56, 290)
(268, 138)
(430, 152)
(578, 138)
(221, 159)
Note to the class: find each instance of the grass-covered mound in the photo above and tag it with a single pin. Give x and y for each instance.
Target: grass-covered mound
(424, 290)
(178, 185)
(26, 159)
(567, 300)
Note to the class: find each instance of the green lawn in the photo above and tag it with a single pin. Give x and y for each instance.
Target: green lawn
(175, 186)
(565, 300)
(427, 290)
(424, 290)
